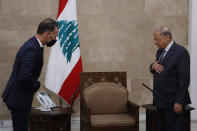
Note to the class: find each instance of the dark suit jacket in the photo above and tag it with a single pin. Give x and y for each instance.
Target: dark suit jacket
(171, 85)
(23, 81)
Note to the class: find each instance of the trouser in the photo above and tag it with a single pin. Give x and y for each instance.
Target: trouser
(20, 118)
(168, 120)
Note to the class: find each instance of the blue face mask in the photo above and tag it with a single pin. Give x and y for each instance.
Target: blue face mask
(49, 44)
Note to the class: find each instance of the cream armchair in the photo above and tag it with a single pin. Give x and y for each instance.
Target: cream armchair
(105, 105)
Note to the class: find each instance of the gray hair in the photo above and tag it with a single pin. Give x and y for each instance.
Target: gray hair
(164, 30)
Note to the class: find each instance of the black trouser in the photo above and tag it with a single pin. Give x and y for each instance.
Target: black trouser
(168, 120)
(20, 118)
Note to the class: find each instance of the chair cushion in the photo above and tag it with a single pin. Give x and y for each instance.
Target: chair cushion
(112, 120)
(106, 98)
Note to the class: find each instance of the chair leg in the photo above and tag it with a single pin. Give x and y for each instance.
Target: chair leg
(82, 126)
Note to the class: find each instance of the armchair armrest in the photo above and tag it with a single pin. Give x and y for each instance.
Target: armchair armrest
(85, 114)
(133, 109)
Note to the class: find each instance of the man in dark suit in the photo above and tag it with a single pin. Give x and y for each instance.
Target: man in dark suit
(171, 72)
(23, 82)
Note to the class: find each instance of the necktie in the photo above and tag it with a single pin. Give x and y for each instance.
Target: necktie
(162, 56)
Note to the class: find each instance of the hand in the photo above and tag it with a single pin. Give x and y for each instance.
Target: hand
(177, 108)
(157, 67)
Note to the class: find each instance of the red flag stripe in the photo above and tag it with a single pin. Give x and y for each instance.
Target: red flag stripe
(71, 83)
(62, 4)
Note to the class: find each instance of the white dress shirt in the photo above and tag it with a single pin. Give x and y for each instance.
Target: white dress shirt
(168, 47)
(41, 45)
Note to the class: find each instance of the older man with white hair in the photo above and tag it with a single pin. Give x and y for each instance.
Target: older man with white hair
(171, 72)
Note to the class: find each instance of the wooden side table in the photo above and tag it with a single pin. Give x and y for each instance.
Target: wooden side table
(151, 118)
(56, 120)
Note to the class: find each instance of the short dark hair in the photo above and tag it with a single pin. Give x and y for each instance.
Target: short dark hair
(47, 24)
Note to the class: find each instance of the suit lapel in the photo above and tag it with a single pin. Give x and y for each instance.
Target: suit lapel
(169, 53)
(158, 54)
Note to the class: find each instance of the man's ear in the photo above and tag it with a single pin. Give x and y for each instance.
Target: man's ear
(166, 37)
(46, 34)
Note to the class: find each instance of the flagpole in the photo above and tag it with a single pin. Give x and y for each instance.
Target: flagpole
(60, 102)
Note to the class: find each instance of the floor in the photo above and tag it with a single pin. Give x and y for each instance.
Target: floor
(142, 126)
(75, 124)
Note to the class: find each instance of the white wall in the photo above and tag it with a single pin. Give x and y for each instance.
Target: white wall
(193, 53)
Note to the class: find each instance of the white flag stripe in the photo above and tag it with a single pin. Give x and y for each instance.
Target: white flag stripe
(70, 11)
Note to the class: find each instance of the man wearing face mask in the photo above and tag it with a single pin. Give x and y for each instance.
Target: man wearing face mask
(171, 72)
(23, 82)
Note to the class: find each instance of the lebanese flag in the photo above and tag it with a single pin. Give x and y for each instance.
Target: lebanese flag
(65, 65)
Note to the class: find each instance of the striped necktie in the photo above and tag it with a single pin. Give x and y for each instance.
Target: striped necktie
(162, 56)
